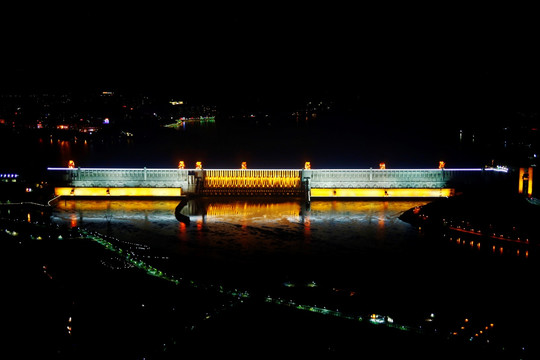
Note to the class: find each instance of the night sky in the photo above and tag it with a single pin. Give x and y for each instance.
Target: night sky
(441, 60)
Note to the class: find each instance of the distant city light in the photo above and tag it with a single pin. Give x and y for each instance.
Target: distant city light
(71, 164)
(382, 166)
(307, 165)
(176, 102)
(244, 165)
(198, 165)
(181, 165)
(106, 121)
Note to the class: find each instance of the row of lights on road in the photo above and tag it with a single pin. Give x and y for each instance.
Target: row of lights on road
(243, 166)
(307, 165)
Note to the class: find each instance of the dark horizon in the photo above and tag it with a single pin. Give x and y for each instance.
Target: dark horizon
(449, 60)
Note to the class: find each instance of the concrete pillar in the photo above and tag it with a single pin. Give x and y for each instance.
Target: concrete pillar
(530, 187)
(525, 178)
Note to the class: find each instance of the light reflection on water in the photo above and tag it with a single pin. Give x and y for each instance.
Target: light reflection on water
(334, 238)
(250, 222)
(349, 242)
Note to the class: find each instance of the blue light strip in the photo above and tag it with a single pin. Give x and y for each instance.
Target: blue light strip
(174, 169)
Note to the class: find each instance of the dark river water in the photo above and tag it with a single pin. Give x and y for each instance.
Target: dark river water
(358, 246)
(334, 241)
(353, 244)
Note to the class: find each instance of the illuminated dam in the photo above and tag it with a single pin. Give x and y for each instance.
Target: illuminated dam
(306, 183)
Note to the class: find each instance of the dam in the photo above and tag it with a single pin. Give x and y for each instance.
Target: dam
(306, 183)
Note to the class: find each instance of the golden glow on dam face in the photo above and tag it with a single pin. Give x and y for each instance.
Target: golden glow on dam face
(252, 178)
(120, 191)
(375, 193)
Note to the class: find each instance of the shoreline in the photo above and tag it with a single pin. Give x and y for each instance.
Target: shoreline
(493, 215)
